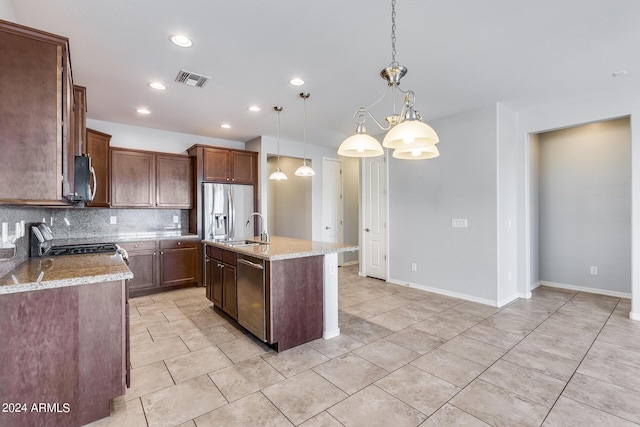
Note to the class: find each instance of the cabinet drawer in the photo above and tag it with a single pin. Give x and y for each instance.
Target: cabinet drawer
(215, 253)
(229, 257)
(179, 244)
(143, 245)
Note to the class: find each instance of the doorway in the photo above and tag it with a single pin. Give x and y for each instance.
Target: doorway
(580, 208)
(374, 226)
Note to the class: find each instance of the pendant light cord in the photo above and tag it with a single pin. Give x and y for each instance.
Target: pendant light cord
(305, 130)
(278, 109)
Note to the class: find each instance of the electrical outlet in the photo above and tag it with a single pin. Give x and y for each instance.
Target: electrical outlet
(414, 266)
(176, 219)
(459, 223)
(113, 220)
(594, 270)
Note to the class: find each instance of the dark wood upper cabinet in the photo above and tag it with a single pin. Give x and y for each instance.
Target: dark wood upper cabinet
(36, 102)
(216, 165)
(243, 167)
(97, 147)
(173, 181)
(146, 179)
(132, 179)
(224, 165)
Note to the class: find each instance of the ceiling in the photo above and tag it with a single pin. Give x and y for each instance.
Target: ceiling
(461, 55)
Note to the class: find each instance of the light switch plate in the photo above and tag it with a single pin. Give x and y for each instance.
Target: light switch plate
(176, 219)
(459, 222)
(113, 220)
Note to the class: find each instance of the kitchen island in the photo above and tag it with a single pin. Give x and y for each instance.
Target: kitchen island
(298, 301)
(63, 329)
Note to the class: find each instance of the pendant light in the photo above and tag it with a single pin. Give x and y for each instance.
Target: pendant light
(278, 175)
(305, 170)
(406, 130)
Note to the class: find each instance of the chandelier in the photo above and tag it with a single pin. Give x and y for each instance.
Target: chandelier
(407, 134)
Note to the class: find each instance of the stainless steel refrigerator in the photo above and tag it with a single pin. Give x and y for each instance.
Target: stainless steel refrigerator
(226, 209)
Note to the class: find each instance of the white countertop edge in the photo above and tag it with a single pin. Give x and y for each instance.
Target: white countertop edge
(291, 255)
(76, 281)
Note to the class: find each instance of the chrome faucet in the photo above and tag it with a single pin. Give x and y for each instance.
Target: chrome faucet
(264, 236)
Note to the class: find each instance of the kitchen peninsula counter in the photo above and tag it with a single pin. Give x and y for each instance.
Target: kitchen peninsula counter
(283, 248)
(63, 271)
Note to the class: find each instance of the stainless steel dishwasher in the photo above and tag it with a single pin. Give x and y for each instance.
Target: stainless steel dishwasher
(251, 295)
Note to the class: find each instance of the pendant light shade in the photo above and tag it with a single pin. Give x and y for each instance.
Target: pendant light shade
(429, 152)
(305, 170)
(360, 145)
(278, 175)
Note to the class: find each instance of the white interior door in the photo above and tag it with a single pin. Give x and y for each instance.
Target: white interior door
(332, 200)
(374, 230)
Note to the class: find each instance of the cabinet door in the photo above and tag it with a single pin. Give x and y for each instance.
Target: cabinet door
(243, 167)
(31, 85)
(216, 165)
(179, 266)
(216, 268)
(229, 291)
(173, 181)
(97, 147)
(143, 264)
(80, 119)
(132, 178)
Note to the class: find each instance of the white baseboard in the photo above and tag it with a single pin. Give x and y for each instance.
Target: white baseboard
(634, 316)
(535, 285)
(344, 264)
(327, 335)
(585, 289)
(509, 300)
(444, 292)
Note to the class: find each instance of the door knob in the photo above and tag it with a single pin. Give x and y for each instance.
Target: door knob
(327, 228)
(367, 229)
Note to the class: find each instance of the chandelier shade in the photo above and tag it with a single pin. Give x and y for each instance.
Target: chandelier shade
(429, 152)
(278, 175)
(305, 170)
(410, 134)
(360, 145)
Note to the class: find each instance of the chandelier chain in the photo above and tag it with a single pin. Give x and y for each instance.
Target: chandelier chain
(393, 32)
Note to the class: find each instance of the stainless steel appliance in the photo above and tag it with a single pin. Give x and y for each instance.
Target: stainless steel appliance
(84, 179)
(250, 294)
(226, 208)
(41, 244)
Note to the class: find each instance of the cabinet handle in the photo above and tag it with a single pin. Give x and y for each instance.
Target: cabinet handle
(135, 246)
(154, 254)
(179, 243)
(161, 253)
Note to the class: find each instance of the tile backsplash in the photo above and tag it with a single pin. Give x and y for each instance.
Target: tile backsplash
(86, 223)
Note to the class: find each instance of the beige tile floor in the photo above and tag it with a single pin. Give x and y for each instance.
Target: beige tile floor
(404, 358)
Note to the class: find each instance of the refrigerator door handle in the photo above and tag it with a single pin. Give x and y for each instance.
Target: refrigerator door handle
(232, 216)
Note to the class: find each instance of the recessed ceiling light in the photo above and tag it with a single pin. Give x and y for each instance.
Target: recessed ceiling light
(181, 40)
(225, 126)
(143, 111)
(254, 108)
(157, 85)
(296, 81)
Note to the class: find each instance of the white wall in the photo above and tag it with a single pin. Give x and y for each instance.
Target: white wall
(534, 203)
(141, 138)
(6, 11)
(571, 113)
(424, 196)
(585, 206)
(507, 206)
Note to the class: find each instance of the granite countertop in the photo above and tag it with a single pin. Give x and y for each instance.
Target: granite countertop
(69, 270)
(284, 248)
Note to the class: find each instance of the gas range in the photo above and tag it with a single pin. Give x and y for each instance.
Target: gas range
(41, 244)
(82, 249)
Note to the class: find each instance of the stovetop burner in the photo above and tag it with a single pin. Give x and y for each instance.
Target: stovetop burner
(82, 249)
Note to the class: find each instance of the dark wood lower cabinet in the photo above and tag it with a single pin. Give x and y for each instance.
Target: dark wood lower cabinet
(162, 265)
(221, 280)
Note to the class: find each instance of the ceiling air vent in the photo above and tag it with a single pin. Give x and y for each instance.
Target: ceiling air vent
(191, 79)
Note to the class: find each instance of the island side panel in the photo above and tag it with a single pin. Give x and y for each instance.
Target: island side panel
(101, 312)
(295, 297)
